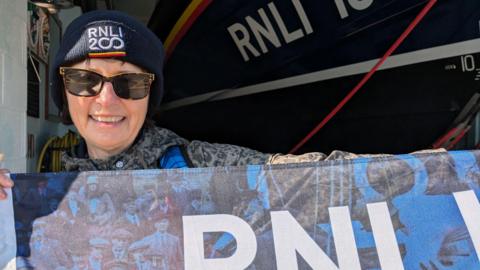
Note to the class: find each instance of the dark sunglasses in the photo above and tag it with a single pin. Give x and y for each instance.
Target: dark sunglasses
(87, 83)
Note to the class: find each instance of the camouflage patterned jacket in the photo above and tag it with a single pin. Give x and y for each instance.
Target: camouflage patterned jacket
(153, 141)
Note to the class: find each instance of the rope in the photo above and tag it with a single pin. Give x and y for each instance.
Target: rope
(39, 32)
(367, 77)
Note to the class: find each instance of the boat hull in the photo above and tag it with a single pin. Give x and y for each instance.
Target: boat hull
(271, 101)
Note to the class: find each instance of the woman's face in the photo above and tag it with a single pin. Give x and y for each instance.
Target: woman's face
(108, 124)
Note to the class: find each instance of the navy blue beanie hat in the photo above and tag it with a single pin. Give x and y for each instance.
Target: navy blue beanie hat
(109, 34)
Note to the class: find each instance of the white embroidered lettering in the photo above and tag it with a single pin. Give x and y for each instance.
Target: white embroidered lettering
(103, 31)
(120, 43)
(104, 38)
(112, 34)
(92, 44)
(92, 32)
(104, 43)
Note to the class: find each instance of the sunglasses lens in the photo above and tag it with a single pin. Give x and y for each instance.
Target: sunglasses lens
(132, 86)
(82, 82)
(87, 83)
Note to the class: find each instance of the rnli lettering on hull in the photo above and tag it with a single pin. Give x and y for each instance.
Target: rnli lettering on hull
(263, 30)
(355, 4)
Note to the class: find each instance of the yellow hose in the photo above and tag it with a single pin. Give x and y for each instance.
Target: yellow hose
(42, 153)
(56, 146)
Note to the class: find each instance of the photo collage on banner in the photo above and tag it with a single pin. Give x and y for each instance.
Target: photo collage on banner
(137, 219)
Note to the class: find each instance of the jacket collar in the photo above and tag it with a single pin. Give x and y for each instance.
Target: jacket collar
(148, 148)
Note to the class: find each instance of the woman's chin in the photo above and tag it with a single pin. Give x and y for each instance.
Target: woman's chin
(106, 146)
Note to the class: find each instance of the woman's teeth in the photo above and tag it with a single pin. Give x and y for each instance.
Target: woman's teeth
(107, 119)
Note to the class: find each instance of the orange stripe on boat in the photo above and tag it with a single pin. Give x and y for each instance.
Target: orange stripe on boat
(181, 22)
(106, 54)
(191, 13)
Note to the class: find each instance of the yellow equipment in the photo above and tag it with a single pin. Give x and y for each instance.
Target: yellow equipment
(50, 156)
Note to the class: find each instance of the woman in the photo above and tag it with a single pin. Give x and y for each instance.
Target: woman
(107, 79)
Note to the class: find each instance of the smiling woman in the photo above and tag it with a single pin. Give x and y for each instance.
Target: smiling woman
(107, 80)
(109, 124)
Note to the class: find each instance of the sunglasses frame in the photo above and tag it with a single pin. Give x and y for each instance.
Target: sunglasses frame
(151, 78)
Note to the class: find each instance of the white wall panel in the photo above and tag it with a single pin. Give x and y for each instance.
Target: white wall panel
(2, 76)
(16, 39)
(16, 165)
(13, 83)
(13, 138)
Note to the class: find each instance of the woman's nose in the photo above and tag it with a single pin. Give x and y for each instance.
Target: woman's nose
(107, 95)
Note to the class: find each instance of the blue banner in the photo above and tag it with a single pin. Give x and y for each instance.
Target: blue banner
(417, 211)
